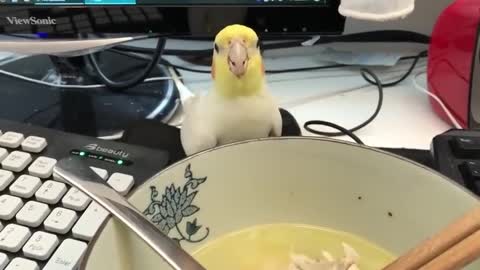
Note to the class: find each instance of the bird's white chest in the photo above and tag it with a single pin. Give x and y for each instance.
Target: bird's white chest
(242, 118)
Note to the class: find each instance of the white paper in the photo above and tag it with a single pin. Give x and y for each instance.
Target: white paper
(58, 47)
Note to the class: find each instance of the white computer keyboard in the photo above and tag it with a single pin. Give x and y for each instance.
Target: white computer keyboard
(44, 223)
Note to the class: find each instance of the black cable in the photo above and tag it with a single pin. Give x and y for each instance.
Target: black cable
(378, 83)
(279, 71)
(378, 36)
(142, 50)
(168, 63)
(410, 70)
(205, 71)
(162, 61)
(332, 125)
(177, 72)
(303, 69)
(206, 52)
(120, 86)
(370, 36)
(291, 70)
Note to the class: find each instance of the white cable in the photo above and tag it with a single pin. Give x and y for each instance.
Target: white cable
(21, 77)
(185, 95)
(437, 99)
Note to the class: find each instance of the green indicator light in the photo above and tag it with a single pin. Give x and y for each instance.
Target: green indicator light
(82, 154)
(119, 162)
(100, 157)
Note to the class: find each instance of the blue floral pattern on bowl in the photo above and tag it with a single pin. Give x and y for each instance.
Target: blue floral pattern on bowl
(172, 209)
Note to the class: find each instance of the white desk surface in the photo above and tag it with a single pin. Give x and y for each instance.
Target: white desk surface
(341, 96)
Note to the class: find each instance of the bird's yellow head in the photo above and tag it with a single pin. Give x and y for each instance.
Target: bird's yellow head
(237, 67)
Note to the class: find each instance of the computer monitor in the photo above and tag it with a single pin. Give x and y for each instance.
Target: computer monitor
(181, 18)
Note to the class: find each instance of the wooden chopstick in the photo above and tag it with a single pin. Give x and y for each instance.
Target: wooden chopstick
(457, 244)
(457, 257)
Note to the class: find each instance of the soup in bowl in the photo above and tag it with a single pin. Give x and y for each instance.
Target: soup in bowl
(286, 203)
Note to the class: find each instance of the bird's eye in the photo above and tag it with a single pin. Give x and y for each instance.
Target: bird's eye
(216, 48)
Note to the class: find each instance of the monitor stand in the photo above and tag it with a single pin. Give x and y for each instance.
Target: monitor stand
(74, 107)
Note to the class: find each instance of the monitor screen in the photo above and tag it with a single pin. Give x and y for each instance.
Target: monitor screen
(163, 2)
(166, 2)
(53, 18)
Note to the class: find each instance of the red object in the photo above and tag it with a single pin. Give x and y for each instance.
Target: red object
(450, 58)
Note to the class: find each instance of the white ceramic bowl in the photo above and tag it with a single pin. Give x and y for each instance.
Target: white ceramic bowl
(296, 180)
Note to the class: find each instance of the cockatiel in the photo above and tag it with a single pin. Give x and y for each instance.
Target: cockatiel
(239, 107)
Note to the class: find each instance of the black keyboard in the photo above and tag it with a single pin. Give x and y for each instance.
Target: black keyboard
(457, 155)
(44, 223)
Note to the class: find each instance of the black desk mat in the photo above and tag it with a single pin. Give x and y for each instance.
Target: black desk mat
(157, 135)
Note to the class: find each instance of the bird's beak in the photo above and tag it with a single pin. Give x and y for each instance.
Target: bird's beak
(237, 58)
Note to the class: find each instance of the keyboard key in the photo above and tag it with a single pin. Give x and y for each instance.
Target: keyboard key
(101, 172)
(34, 144)
(76, 200)
(467, 146)
(42, 167)
(101, 20)
(51, 192)
(32, 214)
(22, 264)
(67, 256)
(3, 260)
(6, 177)
(13, 236)
(41, 245)
(11, 139)
(122, 183)
(3, 153)
(60, 220)
(471, 170)
(25, 186)
(9, 206)
(16, 161)
(90, 222)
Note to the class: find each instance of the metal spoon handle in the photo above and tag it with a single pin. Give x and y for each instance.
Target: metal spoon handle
(74, 172)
